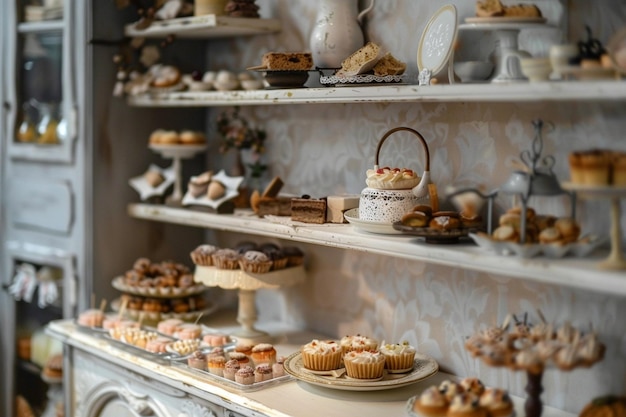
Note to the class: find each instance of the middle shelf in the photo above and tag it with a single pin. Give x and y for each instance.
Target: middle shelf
(579, 273)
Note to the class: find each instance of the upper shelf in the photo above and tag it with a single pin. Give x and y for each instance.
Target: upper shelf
(43, 26)
(568, 272)
(206, 27)
(519, 92)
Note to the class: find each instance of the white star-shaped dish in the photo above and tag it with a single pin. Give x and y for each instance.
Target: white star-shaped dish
(232, 190)
(145, 190)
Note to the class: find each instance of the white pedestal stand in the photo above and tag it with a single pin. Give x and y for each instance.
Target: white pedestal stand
(55, 395)
(247, 284)
(177, 153)
(615, 261)
(507, 51)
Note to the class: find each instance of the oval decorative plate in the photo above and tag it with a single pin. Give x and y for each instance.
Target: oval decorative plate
(435, 47)
(424, 367)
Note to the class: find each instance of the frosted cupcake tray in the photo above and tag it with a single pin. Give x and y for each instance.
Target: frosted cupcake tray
(255, 386)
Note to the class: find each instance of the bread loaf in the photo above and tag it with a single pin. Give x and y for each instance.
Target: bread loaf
(289, 61)
(362, 60)
(389, 65)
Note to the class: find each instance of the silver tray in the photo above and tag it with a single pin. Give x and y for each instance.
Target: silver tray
(182, 364)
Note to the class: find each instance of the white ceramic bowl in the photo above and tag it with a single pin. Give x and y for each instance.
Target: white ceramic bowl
(536, 69)
(386, 206)
(473, 71)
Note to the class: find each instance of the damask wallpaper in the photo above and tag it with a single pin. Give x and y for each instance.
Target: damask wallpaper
(325, 149)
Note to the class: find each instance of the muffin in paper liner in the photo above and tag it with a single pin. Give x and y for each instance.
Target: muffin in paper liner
(226, 259)
(202, 255)
(364, 364)
(321, 356)
(398, 356)
(255, 262)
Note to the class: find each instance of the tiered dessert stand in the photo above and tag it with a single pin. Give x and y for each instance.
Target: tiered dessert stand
(177, 153)
(248, 283)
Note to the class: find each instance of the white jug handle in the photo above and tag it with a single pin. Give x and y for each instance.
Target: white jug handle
(365, 11)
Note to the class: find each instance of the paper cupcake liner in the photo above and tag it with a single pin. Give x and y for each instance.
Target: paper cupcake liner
(201, 259)
(365, 370)
(321, 362)
(279, 264)
(223, 263)
(399, 362)
(258, 267)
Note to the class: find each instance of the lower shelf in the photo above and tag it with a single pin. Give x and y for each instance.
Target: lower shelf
(580, 273)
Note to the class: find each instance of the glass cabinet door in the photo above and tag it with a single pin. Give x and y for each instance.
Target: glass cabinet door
(40, 80)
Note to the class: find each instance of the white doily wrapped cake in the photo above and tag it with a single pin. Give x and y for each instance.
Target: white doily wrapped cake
(392, 192)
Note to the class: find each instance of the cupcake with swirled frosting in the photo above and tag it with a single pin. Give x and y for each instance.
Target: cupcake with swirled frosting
(399, 357)
(365, 364)
(321, 355)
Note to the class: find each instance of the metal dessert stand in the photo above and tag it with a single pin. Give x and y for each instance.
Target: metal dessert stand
(248, 283)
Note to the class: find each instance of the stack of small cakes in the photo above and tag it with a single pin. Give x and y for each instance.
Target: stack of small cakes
(598, 167)
(532, 348)
(539, 228)
(423, 216)
(244, 365)
(465, 398)
(248, 256)
(362, 357)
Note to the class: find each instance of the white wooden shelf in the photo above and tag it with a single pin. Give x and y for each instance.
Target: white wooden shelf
(568, 272)
(205, 27)
(523, 92)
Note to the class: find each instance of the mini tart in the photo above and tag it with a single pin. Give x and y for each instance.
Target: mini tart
(357, 343)
(255, 262)
(391, 178)
(364, 364)
(431, 403)
(497, 402)
(319, 355)
(202, 255)
(398, 357)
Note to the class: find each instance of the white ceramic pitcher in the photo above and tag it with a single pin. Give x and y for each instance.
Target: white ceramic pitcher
(337, 32)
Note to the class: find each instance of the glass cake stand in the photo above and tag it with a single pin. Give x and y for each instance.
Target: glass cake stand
(248, 283)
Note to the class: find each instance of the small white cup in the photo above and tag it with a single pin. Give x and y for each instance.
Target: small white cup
(560, 56)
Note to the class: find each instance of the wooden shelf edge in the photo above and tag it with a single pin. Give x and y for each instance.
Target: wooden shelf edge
(567, 272)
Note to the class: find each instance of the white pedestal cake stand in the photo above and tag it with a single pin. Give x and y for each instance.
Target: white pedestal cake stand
(248, 283)
(177, 153)
(615, 260)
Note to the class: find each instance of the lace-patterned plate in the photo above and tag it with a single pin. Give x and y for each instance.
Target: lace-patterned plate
(338, 80)
(424, 367)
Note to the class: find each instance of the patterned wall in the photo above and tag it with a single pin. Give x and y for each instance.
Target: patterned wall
(325, 149)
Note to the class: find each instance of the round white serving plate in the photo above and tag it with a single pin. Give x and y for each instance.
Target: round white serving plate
(352, 216)
(424, 367)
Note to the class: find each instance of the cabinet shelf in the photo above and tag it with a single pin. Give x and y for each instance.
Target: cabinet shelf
(205, 27)
(568, 272)
(523, 92)
(40, 27)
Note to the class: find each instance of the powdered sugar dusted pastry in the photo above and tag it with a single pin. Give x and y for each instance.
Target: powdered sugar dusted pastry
(473, 385)
(391, 178)
(497, 402)
(466, 405)
(431, 403)
(450, 389)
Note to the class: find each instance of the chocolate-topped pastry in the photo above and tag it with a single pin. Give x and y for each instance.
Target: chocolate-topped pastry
(242, 8)
(245, 246)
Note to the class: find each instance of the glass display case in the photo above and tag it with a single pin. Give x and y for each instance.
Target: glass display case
(40, 96)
